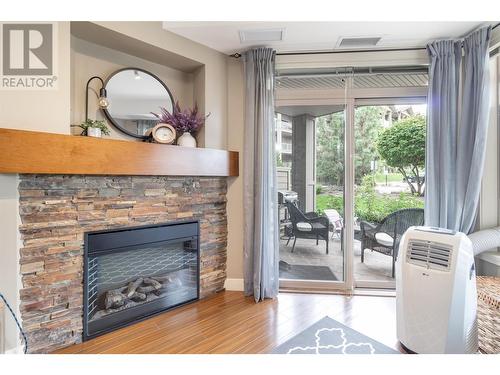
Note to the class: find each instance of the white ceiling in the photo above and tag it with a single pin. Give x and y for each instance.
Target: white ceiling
(319, 36)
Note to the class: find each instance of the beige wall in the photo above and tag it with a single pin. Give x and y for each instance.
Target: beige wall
(199, 99)
(9, 254)
(235, 129)
(45, 111)
(88, 59)
(215, 74)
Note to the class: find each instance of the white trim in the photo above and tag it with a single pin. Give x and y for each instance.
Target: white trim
(357, 59)
(17, 350)
(349, 193)
(236, 285)
(375, 284)
(404, 100)
(373, 292)
(311, 290)
(352, 93)
(315, 285)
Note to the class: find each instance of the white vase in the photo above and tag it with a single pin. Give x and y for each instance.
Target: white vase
(186, 140)
(94, 132)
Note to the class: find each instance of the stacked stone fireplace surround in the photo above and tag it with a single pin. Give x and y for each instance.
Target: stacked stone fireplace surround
(56, 211)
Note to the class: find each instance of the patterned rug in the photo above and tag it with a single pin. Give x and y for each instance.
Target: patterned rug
(327, 336)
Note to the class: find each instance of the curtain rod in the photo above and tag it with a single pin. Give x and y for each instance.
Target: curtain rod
(349, 51)
(237, 55)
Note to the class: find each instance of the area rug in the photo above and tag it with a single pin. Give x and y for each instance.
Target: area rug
(327, 336)
(305, 272)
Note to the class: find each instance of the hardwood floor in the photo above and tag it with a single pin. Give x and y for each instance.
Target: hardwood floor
(231, 323)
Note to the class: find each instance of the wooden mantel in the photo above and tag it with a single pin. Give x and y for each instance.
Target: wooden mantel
(47, 153)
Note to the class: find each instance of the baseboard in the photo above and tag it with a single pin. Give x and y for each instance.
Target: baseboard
(234, 284)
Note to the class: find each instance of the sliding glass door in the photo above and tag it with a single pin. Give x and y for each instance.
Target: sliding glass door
(310, 144)
(336, 161)
(389, 178)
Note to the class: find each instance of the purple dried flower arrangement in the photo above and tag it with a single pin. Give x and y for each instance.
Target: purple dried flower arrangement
(186, 120)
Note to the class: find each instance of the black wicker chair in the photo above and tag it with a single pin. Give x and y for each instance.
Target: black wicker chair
(307, 225)
(384, 238)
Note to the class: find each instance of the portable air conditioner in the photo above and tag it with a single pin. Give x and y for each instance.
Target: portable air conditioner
(436, 298)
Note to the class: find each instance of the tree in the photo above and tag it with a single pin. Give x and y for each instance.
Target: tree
(402, 146)
(330, 148)
(330, 144)
(367, 126)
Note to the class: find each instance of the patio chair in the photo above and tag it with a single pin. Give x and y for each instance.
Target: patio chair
(384, 238)
(336, 222)
(307, 225)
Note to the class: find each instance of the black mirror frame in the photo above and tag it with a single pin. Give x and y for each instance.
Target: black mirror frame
(108, 115)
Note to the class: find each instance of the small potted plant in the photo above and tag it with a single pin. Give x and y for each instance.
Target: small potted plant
(94, 128)
(186, 122)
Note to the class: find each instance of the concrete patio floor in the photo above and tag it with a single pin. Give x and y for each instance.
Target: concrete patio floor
(376, 267)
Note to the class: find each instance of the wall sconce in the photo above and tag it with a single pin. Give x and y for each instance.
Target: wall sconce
(102, 101)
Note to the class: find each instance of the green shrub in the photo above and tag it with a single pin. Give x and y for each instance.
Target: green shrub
(377, 208)
(319, 189)
(368, 205)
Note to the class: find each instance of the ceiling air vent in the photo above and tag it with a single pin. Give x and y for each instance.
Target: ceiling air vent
(358, 42)
(268, 35)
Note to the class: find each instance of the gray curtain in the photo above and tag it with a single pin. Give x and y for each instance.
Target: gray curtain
(442, 129)
(457, 124)
(261, 245)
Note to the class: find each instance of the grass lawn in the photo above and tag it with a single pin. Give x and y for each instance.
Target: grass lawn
(324, 201)
(391, 177)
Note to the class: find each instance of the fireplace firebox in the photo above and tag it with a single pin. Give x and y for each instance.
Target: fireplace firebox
(133, 273)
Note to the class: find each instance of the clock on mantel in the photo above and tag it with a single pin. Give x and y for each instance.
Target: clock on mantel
(162, 133)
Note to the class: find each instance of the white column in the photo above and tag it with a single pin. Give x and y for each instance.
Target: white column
(304, 161)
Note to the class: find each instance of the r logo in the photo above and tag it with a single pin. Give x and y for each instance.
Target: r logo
(27, 49)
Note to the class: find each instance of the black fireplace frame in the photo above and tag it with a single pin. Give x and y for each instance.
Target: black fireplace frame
(159, 238)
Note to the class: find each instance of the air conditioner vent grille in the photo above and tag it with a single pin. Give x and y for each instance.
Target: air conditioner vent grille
(429, 254)
(359, 42)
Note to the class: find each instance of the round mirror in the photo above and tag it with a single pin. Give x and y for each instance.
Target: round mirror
(133, 94)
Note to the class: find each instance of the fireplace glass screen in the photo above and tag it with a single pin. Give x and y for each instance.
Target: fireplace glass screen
(128, 283)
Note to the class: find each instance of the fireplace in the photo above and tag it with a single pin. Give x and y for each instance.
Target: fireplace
(133, 273)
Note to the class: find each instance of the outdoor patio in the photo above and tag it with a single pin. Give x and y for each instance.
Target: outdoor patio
(376, 267)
